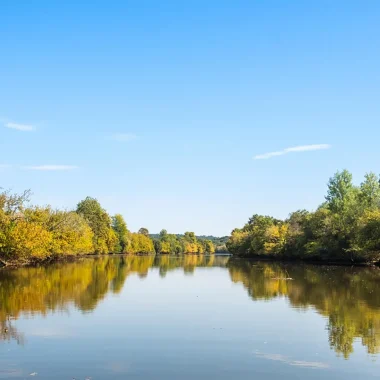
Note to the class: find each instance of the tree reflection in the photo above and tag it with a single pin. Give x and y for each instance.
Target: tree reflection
(83, 283)
(8, 332)
(346, 296)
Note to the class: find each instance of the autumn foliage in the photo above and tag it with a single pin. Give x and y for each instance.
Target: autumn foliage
(29, 233)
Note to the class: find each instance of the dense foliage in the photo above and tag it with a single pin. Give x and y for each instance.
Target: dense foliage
(177, 244)
(219, 242)
(38, 233)
(346, 227)
(29, 233)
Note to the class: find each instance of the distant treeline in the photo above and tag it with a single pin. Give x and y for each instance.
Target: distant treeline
(165, 243)
(346, 227)
(33, 233)
(219, 242)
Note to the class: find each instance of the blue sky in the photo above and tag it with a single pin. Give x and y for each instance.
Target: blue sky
(159, 108)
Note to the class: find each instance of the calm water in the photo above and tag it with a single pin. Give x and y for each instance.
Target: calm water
(189, 318)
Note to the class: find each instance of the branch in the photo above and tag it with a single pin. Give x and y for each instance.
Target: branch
(3, 263)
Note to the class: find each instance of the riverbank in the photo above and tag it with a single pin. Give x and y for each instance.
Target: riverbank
(254, 258)
(36, 262)
(311, 261)
(71, 258)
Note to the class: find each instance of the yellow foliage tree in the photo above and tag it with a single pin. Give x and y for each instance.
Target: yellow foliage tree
(165, 247)
(29, 240)
(140, 243)
(190, 247)
(200, 248)
(72, 236)
(275, 237)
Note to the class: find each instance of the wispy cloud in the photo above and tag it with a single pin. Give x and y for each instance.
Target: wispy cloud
(301, 363)
(20, 127)
(295, 149)
(265, 156)
(123, 137)
(287, 360)
(51, 167)
(4, 166)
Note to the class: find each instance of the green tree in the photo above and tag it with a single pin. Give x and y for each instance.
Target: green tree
(163, 235)
(190, 237)
(370, 192)
(341, 191)
(144, 231)
(157, 246)
(367, 237)
(100, 223)
(209, 247)
(345, 227)
(120, 227)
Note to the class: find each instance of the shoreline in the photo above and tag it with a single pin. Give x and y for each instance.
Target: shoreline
(311, 261)
(254, 258)
(72, 258)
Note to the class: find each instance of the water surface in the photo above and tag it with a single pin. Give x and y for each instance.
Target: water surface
(193, 317)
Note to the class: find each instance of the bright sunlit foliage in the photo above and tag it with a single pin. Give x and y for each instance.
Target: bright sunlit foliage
(344, 228)
(29, 233)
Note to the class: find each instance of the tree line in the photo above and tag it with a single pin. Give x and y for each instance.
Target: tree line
(346, 227)
(35, 233)
(218, 242)
(166, 243)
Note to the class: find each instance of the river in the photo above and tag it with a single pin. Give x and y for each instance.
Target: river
(191, 317)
